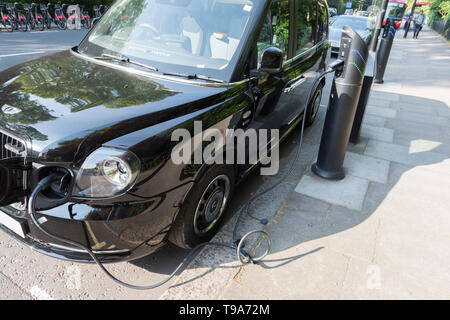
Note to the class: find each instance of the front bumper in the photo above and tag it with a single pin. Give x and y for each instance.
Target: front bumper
(115, 233)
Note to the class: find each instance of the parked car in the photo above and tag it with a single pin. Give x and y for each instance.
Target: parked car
(332, 12)
(348, 12)
(99, 119)
(362, 25)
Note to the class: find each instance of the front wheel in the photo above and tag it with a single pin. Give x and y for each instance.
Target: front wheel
(32, 24)
(313, 107)
(204, 209)
(40, 25)
(22, 26)
(62, 24)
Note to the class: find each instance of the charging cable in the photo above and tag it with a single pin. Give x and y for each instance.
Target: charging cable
(237, 244)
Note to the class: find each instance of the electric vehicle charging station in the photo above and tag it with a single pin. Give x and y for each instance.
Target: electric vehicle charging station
(345, 94)
(384, 50)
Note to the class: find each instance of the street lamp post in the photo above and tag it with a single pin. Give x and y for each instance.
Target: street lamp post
(410, 18)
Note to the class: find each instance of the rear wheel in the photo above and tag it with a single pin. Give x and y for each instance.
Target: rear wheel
(313, 107)
(8, 26)
(203, 211)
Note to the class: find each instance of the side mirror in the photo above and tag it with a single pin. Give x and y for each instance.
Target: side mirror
(272, 60)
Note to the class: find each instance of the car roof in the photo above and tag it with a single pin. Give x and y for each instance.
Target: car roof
(353, 17)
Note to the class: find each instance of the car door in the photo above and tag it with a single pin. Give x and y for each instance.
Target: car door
(308, 51)
(275, 108)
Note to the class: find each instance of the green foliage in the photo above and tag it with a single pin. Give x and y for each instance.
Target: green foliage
(437, 10)
(441, 8)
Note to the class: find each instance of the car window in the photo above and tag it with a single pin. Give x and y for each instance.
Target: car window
(275, 31)
(306, 24)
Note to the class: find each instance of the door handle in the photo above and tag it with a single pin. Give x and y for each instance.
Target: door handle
(294, 85)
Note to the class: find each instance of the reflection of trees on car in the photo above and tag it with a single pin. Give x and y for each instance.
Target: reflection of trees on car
(127, 17)
(306, 24)
(97, 90)
(275, 31)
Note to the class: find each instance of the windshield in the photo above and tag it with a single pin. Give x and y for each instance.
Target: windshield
(184, 36)
(359, 24)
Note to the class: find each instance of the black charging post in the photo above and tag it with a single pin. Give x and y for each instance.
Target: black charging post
(344, 98)
(363, 99)
(384, 50)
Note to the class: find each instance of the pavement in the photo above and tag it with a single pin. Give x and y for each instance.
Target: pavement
(385, 237)
(381, 233)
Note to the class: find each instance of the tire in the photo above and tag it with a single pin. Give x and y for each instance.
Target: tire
(23, 26)
(212, 195)
(40, 25)
(314, 106)
(8, 26)
(62, 24)
(32, 25)
(49, 24)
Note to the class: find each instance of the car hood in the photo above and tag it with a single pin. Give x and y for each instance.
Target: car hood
(61, 99)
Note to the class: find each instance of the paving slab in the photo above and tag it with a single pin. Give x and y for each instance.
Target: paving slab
(423, 108)
(349, 192)
(373, 120)
(369, 168)
(358, 147)
(381, 111)
(402, 154)
(377, 133)
(384, 95)
(305, 274)
(422, 118)
(425, 130)
(368, 280)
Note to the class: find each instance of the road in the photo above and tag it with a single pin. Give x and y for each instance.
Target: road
(25, 274)
(17, 47)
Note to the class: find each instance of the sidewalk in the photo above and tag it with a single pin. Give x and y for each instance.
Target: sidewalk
(384, 231)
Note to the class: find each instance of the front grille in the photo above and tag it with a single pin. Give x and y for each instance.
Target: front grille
(11, 147)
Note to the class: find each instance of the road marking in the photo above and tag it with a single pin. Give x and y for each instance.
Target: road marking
(21, 54)
(40, 294)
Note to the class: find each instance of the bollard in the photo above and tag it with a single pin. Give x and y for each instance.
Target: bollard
(384, 51)
(344, 98)
(363, 99)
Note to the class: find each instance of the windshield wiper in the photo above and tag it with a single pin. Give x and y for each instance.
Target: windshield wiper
(127, 60)
(193, 77)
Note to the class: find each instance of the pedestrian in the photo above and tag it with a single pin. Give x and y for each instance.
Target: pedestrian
(418, 23)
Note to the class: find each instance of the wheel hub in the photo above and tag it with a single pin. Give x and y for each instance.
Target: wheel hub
(211, 205)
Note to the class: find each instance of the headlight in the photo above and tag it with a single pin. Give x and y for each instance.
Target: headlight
(107, 172)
